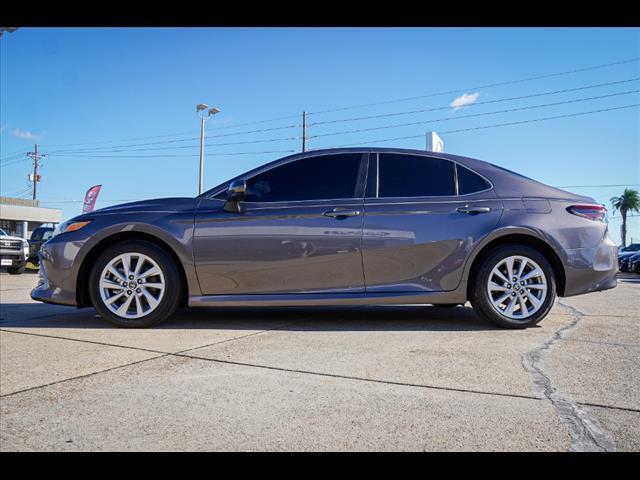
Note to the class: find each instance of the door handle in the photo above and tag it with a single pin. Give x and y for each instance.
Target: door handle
(341, 214)
(473, 210)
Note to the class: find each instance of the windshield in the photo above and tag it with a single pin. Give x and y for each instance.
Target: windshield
(634, 247)
(2, 233)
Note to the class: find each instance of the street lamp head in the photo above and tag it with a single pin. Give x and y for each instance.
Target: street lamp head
(213, 111)
(201, 106)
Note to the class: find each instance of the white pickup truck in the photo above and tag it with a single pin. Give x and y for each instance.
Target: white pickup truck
(14, 252)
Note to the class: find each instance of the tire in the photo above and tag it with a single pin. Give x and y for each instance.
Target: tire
(17, 270)
(160, 303)
(541, 287)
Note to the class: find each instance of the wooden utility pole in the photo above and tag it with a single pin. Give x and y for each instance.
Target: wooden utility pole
(304, 131)
(36, 159)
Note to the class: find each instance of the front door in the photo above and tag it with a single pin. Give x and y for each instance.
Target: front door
(300, 231)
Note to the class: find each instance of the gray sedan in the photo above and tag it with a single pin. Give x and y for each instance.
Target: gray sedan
(350, 226)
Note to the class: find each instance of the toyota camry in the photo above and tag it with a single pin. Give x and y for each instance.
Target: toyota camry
(349, 226)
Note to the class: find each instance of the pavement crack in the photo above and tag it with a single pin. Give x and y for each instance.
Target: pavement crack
(585, 430)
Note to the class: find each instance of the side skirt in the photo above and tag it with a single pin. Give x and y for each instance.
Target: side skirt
(308, 299)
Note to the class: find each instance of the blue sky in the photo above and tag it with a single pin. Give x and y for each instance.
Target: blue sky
(86, 93)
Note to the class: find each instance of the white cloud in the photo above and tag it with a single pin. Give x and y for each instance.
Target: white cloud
(464, 99)
(24, 134)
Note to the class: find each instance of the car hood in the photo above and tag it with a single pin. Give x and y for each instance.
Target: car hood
(9, 237)
(177, 204)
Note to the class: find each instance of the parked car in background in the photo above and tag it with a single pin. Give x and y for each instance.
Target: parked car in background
(38, 237)
(634, 263)
(13, 253)
(625, 253)
(348, 226)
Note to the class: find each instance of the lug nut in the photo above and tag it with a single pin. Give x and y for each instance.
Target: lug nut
(138, 290)
(130, 277)
(513, 294)
(129, 292)
(139, 280)
(515, 279)
(508, 285)
(521, 291)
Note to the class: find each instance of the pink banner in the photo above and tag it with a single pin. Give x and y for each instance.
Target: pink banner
(90, 198)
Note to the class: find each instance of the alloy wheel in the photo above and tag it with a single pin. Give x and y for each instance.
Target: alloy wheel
(132, 285)
(517, 287)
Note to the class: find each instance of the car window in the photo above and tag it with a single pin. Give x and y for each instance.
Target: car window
(47, 234)
(414, 176)
(313, 178)
(470, 182)
(36, 235)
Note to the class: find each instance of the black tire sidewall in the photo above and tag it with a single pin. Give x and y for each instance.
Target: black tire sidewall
(17, 270)
(480, 298)
(173, 283)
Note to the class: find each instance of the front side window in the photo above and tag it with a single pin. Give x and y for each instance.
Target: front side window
(315, 178)
(47, 235)
(414, 176)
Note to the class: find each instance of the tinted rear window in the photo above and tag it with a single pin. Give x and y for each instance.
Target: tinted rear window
(314, 178)
(414, 176)
(469, 182)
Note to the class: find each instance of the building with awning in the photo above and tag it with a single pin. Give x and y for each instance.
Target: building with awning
(19, 217)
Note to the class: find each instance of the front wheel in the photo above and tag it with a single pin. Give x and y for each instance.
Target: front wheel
(514, 287)
(17, 270)
(135, 284)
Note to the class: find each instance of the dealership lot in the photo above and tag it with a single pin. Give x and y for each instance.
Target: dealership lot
(387, 378)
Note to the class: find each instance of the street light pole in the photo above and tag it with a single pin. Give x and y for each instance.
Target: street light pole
(204, 116)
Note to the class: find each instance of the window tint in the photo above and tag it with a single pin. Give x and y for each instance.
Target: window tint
(36, 235)
(314, 178)
(47, 234)
(414, 176)
(469, 182)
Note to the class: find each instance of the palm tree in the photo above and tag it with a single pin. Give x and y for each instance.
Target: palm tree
(629, 201)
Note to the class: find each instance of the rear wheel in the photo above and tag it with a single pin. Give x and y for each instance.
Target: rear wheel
(514, 287)
(135, 284)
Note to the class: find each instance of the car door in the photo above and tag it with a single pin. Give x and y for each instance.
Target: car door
(300, 230)
(423, 215)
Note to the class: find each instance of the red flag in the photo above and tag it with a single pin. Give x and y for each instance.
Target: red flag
(90, 198)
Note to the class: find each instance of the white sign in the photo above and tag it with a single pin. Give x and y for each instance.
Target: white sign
(434, 142)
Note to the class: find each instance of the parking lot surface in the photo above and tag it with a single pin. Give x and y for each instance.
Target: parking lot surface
(386, 378)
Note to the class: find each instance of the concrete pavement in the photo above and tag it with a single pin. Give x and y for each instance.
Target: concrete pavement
(391, 378)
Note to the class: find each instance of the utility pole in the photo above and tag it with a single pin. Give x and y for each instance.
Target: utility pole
(36, 162)
(304, 131)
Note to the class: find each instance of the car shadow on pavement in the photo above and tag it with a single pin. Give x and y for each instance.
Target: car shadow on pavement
(378, 318)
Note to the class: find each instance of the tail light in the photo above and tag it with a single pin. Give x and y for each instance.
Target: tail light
(592, 212)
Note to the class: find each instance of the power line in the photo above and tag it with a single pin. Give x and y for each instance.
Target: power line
(486, 102)
(421, 135)
(172, 155)
(287, 117)
(458, 90)
(180, 140)
(446, 119)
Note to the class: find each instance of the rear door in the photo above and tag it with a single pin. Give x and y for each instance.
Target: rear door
(300, 231)
(423, 215)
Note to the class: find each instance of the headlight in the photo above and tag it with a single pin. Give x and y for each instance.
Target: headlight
(69, 226)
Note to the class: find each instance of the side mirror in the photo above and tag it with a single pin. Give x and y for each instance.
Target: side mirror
(236, 193)
(237, 190)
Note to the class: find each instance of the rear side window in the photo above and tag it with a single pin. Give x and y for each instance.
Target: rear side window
(316, 178)
(469, 182)
(414, 176)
